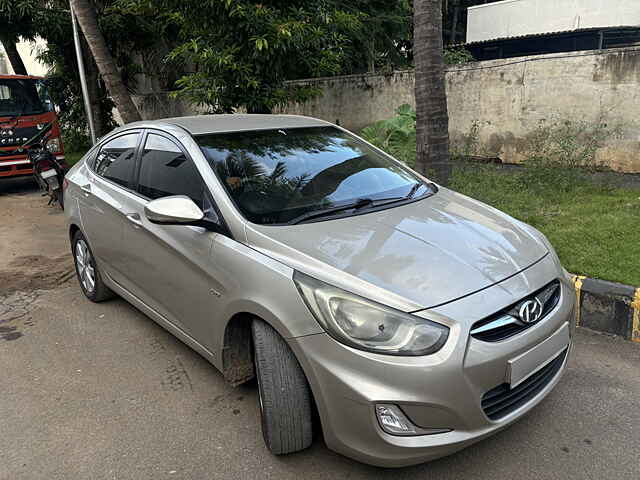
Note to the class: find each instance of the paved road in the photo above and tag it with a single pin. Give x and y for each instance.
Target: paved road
(101, 392)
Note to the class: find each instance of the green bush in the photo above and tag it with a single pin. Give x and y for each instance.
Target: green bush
(457, 55)
(396, 136)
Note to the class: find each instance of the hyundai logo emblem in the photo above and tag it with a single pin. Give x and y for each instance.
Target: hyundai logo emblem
(530, 311)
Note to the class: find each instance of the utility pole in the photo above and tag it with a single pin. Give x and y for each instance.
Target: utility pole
(83, 78)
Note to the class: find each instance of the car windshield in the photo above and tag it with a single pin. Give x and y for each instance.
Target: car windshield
(279, 176)
(23, 97)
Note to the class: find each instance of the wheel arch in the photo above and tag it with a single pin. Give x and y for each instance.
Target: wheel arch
(236, 359)
(73, 228)
(237, 349)
(237, 344)
(233, 335)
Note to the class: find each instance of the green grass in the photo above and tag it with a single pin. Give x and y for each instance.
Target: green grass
(73, 157)
(595, 229)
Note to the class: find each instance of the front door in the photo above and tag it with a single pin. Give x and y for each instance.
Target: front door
(171, 268)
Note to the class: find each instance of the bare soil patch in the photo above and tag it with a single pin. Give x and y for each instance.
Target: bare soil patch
(36, 272)
(34, 240)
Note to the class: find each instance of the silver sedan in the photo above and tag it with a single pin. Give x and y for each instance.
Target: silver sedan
(410, 319)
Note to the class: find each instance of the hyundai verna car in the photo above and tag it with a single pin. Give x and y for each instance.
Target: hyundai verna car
(413, 319)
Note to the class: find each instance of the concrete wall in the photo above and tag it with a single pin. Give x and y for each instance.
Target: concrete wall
(511, 18)
(355, 101)
(506, 101)
(153, 106)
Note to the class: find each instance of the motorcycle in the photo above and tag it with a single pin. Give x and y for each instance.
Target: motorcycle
(48, 171)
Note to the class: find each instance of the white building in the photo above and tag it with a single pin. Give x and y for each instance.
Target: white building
(511, 28)
(514, 18)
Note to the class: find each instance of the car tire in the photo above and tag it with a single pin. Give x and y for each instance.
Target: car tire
(96, 291)
(284, 394)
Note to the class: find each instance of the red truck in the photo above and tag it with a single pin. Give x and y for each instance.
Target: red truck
(26, 115)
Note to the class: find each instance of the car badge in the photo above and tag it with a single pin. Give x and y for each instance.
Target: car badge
(530, 311)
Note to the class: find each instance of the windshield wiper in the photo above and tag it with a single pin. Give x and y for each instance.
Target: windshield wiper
(17, 117)
(413, 190)
(430, 185)
(358, 204)
(362, 203)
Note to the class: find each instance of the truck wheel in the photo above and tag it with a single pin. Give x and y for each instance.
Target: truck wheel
(285, 397)
(88, 274)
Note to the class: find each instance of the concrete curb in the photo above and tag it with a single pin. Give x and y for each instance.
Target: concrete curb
(608, 307)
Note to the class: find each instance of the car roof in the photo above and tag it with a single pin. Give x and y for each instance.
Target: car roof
(237, 122)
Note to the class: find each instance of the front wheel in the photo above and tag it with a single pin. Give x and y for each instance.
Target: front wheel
(285, 397)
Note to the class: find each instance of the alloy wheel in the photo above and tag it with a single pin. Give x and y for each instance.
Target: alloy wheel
(86, 270)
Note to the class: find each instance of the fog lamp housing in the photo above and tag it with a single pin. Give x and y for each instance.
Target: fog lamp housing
(394, 422)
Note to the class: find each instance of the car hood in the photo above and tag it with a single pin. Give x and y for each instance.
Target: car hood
(418, 255)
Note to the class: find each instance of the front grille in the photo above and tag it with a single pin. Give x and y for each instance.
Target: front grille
(507, 323)
(503, 399)
(23, 136)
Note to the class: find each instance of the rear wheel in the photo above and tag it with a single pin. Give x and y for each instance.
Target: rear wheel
(88, 274)
(285, 397)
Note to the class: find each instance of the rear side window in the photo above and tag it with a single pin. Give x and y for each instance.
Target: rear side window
(116, 160)
(166, 171)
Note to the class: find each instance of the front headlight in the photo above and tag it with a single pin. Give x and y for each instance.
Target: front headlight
(53, 145)
(368, 325)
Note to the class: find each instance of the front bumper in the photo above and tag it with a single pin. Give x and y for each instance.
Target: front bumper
(443, 390)
(15, 167)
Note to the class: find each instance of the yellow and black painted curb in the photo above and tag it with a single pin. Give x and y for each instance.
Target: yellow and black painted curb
(607, 307)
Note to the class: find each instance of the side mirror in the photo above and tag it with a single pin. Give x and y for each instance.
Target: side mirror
(174, 210)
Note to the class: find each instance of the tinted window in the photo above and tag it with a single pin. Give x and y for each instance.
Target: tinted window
(166, 171)
(115, 161)
(276, 176)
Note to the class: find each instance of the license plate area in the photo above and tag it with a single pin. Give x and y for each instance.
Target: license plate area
(53, 183)
(526, 364)
(48, 173)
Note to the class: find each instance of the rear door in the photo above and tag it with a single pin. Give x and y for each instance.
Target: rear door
(171, 267)
(106, 188)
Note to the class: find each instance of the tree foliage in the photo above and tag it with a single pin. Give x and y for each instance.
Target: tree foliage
(20, 18)
(224, 54)
(384, 41)
(139, 35)
(243, 51)
(456, 55)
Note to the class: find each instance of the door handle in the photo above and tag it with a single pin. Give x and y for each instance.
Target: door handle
(86, 189)
(135, 219)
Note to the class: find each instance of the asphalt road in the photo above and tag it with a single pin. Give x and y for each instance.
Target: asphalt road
(101, 392)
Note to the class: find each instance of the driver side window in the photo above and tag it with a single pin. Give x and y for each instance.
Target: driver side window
(166, 171)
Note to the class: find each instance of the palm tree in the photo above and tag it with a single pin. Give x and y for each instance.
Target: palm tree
(432, 118)
(86, 15)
